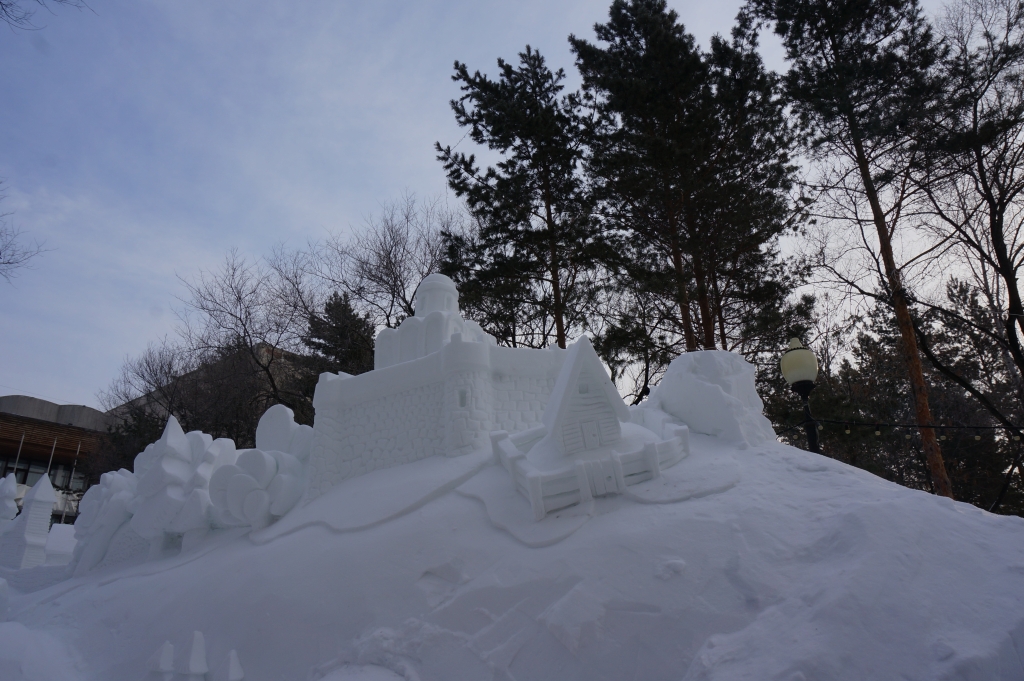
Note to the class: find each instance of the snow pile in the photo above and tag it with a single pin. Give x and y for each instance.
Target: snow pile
(792, 566)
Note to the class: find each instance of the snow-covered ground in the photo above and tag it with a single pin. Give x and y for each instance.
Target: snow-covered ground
(779, 564)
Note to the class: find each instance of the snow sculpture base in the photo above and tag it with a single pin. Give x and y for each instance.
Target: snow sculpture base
(581, 480)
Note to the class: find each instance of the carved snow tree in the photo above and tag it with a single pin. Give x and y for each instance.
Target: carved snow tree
(863, 80)
(537, 247)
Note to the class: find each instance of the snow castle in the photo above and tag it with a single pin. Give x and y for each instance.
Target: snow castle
(442, 386)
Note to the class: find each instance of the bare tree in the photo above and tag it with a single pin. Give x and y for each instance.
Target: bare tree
(14, 252)
(251, 309)
(381, 266)
(18, 13)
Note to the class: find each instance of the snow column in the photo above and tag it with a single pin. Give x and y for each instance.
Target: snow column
(23, 544)
(468, 398)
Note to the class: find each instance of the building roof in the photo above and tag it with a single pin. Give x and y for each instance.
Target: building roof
(77, 415)
(580, 354)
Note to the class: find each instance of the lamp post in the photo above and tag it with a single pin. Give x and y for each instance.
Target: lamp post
(800, 369)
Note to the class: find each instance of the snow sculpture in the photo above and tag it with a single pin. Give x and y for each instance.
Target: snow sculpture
(186, 484)
(443, 404)
(441, 388)
(8, 505)
(163, 662)
(278, 432)
(264, 483)
(195, 667)
(713, 393)
(173, 501)
(101, 513)
(436, 320)
(60, 544)
(23, 544)
(587, 445)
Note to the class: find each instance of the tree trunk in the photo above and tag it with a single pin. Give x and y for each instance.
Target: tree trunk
(556, 283)
(911, 355)
(1014, 322)
(707, 321)
(719, 311)
(682, 297)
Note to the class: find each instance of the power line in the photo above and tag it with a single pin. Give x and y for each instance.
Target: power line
(878, 426)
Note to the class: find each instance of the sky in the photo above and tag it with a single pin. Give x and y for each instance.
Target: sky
(143, 139)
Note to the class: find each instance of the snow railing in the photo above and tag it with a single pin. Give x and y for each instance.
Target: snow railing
(582, 480)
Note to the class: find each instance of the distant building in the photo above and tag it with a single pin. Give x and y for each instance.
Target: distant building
(39, 438)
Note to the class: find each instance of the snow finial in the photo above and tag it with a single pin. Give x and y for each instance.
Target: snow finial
(165, 661)
(197, 667)
(235, 672)
(795, 344)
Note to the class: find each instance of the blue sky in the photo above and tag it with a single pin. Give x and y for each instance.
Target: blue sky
(144, 138)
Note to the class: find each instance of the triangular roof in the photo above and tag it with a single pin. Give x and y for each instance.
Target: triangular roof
(41, 491)
(579, 355)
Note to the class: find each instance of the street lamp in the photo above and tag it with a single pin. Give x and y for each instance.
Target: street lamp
(800, 369)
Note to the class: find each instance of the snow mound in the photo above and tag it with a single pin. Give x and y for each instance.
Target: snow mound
(788, 566)
(590, 542)
(713, 393)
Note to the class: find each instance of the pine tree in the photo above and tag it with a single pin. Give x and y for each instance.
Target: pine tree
(341, 339)
(693, 161)
(537, 245)
(651, 86)
(862, 81)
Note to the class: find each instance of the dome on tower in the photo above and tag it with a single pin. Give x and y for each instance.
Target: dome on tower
(436, 293)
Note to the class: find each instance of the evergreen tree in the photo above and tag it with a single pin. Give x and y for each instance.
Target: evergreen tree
(862, 81)
(341, 339)
(651, 87)
(692, 160)
(537, 246)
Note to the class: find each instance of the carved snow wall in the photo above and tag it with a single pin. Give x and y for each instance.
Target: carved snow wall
(445, 403)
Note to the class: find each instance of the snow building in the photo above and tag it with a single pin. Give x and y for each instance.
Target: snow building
(442, 386)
